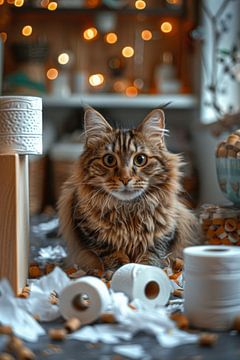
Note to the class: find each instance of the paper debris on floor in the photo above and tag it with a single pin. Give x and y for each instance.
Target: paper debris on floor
(19, 314)
(22, 323)
(38, 304)
(132, 351)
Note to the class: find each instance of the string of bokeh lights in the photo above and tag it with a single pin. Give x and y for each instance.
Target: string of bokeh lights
(91, 34)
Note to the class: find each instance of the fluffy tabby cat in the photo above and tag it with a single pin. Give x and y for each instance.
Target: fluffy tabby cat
(122, 203)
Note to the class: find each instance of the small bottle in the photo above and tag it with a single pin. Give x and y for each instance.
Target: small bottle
(165, 75)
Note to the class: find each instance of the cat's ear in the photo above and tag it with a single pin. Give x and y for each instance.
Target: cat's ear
(95, 126)
(153, 126)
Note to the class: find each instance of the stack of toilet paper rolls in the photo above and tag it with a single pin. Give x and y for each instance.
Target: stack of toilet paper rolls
(20, 125)
(212, 286)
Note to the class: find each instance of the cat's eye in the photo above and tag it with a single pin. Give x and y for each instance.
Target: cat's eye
(140, 160)
(109, 160)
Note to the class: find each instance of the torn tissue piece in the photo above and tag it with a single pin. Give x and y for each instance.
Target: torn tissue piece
(45, 227)
(156, 321)
(23, 324)
(51, 253)
(152, 321)
(107, 334)
(39, 304)
(131, 319)
(132, 351)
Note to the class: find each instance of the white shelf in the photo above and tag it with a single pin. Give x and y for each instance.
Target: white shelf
(177, 101)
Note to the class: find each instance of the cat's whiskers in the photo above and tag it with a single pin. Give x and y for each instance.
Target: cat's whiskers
(162, 194)
(94, 193)
(105, 205)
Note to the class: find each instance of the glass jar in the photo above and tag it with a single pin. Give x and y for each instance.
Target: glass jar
(220, 224)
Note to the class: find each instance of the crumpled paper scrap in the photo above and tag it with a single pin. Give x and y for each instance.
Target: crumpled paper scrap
(105, 333)
(132, 351)
(38, 303)
(51, 253)
(16, 312)
(46, 226)
(23, 324)
(154, 321)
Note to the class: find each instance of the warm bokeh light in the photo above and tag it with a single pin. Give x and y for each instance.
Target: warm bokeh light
(3, 36)
(44, 3)
(52, 6)
(131, 91)
(166, 27)
(127, 51)
(92, 3)
(63, 58)
(27, 30)
(119, 86)
(1, 2)
(96, 79)
(111, 38)
(19, 3)
(146, 35)
(90, 33)
(174, 2)
(10, 1)
(52, 74)
(140, 4)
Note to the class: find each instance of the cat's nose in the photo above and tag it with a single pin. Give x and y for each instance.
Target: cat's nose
(125, 180)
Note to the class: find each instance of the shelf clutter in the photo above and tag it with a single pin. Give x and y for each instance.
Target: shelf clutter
(151, 54)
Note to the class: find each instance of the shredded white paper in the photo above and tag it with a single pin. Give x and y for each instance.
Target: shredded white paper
(38, 303)
(45, 227)
(23, 324)
(106, 333)
(155, 322)
(132, 351)
(19, 313)
(51, 253)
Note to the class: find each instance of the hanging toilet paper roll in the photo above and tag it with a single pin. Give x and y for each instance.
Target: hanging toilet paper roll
(20, 124)
(147, 283)
(212, 286)
(85, 299)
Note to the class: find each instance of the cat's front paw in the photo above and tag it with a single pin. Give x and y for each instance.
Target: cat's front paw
(115, 260)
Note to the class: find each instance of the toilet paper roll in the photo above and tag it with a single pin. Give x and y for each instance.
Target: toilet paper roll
(212, 258)
(212, 286)
(85, 299)
(216, 319)
(147, 283)
(21, 124)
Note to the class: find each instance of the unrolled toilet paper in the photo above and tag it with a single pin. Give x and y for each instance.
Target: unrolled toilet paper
(212, 286)
(20, 124)
(85, 299)
(147, 283)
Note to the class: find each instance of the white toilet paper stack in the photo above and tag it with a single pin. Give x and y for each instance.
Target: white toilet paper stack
(212, 286)
(20, 124)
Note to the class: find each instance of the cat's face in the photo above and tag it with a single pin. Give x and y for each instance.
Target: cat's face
(124, 163)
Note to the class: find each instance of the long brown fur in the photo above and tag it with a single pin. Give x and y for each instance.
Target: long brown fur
(102, 231)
